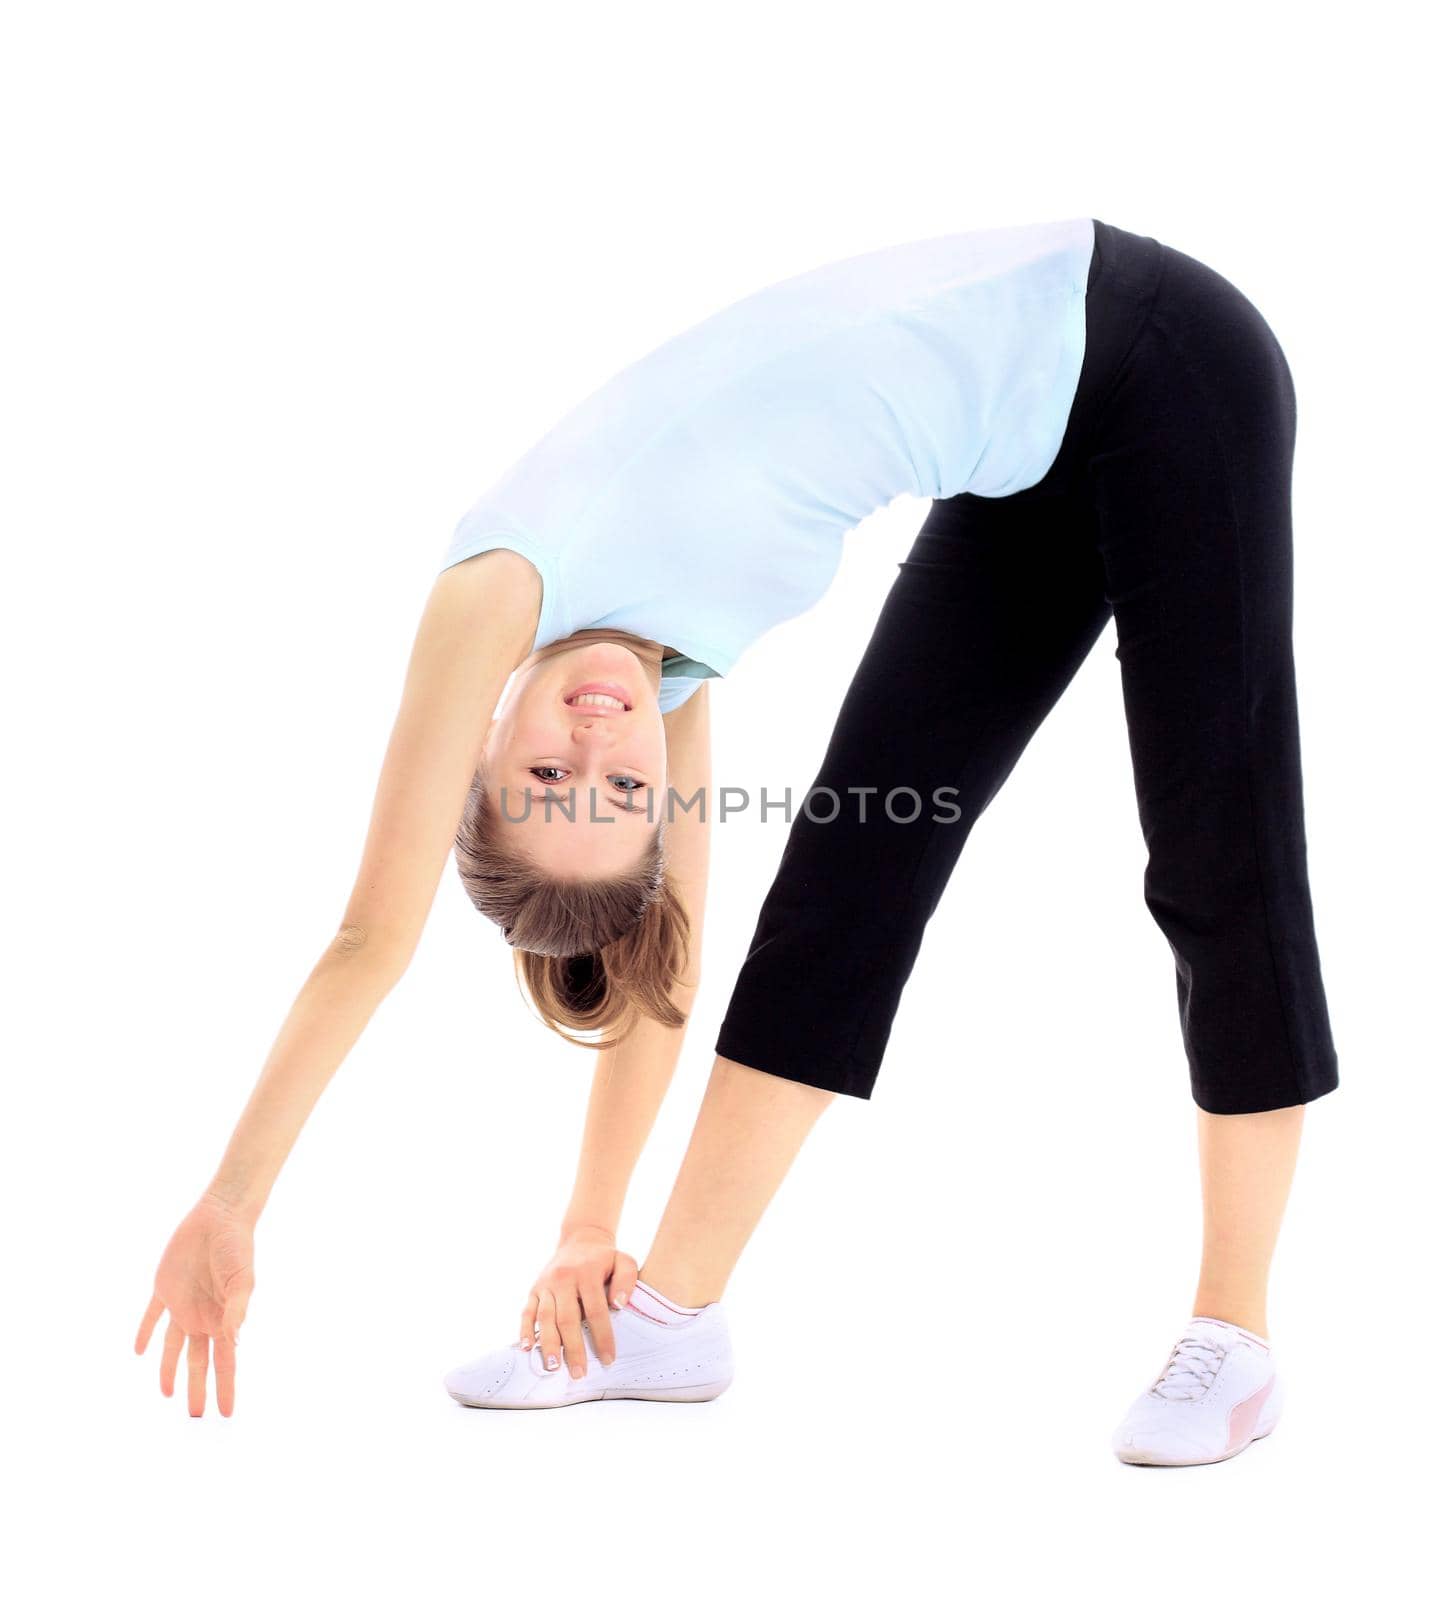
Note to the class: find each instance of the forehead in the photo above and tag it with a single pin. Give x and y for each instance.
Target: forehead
(581, 849)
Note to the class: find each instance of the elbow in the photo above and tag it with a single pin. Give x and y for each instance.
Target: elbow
(348, 939)
(357, 944)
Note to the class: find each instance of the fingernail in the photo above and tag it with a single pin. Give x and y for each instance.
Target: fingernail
(524, 1344)
(577, 1372)
(552, 1361)
(618, 1303)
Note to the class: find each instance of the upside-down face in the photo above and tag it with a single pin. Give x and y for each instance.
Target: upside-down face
(576, 754)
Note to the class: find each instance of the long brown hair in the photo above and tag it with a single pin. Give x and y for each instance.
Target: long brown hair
(592, 956)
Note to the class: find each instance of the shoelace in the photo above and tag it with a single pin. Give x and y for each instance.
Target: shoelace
(1194, 1362)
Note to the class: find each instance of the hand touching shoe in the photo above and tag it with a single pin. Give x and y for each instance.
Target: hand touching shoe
(580, 1282)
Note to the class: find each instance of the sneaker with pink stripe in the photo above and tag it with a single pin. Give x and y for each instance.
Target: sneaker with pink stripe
(663, 1352)
(1217, 1392)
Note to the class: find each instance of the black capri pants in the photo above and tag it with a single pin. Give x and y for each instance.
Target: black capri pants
(1168, 507)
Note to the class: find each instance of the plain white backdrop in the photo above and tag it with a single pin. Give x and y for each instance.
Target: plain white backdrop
(286, 287)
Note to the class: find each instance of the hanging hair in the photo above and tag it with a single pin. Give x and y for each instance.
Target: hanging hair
(591, 956)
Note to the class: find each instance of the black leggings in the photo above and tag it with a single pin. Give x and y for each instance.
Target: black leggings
(1168, 507)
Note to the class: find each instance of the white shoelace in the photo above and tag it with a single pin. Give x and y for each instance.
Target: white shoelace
(1194, 1362)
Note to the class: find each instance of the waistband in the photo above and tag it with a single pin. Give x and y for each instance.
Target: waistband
(1124, 275)
(1125, 271)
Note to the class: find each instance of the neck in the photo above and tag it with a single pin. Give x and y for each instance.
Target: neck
(650, 652)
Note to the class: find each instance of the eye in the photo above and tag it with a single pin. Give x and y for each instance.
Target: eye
(635, 783)
(540, 773)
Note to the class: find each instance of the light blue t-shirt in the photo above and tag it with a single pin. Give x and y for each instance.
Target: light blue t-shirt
(700, 497)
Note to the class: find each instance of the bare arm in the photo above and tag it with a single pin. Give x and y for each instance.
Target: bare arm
(631, 1078)
(478, 625)
(630, 1083)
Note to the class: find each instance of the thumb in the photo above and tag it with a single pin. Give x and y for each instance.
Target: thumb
(232, 1314)
(622, 1279)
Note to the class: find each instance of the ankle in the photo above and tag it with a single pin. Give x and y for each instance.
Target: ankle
(684, 1287)
(1242, 1314)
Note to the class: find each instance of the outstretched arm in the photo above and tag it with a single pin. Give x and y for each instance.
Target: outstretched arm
(629, 1085)
(478, 625)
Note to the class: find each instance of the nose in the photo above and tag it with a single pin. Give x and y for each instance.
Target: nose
(593, 730)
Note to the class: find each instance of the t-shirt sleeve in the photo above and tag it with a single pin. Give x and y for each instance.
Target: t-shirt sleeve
(474, 535)
(675, 692)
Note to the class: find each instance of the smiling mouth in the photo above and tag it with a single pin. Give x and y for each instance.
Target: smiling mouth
(598, 697)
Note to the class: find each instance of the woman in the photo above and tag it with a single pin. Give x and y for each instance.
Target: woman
(1105, 427)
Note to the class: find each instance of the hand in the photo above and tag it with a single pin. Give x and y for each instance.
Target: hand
(205, 1280)
(585, 1268)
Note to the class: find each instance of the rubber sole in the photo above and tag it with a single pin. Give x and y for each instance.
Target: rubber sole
(684, 1395)
(1210, 1461)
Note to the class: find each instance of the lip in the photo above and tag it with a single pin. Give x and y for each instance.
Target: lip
(600, 686)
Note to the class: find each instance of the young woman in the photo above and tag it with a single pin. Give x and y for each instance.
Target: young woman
(1105, 427)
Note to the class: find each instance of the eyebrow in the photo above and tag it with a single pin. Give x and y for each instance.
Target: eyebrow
(636, 811)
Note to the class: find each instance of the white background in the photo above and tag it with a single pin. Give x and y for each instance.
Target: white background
(287, 285)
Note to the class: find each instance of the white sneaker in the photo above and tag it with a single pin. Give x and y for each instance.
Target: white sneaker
(653, 1361)
(1218, 1391)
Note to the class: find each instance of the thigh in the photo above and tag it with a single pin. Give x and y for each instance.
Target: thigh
(993, 610)
(1191, 478)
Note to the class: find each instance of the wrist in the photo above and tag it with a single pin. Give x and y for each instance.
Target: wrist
(234, 1198)
(581, 1228)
